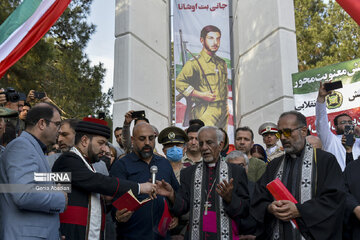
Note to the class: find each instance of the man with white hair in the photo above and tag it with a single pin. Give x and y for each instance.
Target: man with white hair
(213, 209)
(239, 158)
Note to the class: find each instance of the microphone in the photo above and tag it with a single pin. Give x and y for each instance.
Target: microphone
(153, 171)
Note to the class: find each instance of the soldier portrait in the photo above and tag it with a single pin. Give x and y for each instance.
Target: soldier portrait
(203, 82)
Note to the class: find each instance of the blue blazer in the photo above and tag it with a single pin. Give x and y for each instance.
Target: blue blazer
(27, 215)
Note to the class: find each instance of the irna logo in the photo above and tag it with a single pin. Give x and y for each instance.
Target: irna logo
(52, 177)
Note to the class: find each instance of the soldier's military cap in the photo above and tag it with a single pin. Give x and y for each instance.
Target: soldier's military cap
(172, 135)
(8, 113)
(268, 127)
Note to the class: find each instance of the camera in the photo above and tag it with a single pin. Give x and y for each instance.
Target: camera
(11, 95)
(349, 135)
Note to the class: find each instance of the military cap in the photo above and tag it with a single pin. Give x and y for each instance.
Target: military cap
(8, 113)
(172, 135)
(268, 127)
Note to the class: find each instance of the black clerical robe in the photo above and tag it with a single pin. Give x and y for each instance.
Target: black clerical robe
(352, 184)
(321, 216)
(75, 221)
(238, 207)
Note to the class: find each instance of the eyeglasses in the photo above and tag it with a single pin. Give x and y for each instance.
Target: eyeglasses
(350, 122)
(287, 132)
(57, 124)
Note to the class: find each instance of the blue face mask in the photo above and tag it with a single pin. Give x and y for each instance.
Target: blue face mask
(174, 154)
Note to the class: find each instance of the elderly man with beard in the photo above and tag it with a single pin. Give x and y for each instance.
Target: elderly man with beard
(135, 166)
(84, 216)
(213, 191)
(312, 176)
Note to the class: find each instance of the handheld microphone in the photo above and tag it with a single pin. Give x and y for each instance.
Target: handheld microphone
(153, 171)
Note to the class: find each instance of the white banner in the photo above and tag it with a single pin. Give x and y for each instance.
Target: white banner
(202, 62)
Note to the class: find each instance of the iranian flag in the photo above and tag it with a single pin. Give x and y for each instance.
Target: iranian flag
(25, 27)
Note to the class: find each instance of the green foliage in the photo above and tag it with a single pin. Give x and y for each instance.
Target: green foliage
(325, 34)
(58, 65)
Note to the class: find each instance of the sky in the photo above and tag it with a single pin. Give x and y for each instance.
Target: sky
(101, 45)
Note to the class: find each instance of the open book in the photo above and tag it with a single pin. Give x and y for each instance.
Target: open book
(129, 201)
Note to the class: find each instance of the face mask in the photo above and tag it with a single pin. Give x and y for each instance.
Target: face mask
(174, 154)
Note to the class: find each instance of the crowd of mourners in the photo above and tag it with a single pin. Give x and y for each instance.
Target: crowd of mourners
(199, 185)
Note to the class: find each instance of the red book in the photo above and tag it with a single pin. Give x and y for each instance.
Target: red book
(280, 192)
(165, 220)
(129, 201)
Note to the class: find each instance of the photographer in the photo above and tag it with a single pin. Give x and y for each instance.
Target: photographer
(10, 99)
(348, 140)
(34, 96)
(7, 131)
(126, 136)
(333, 142)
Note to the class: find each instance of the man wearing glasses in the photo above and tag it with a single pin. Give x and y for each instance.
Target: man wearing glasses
(27, 214)
(315, 180)
(330, 141)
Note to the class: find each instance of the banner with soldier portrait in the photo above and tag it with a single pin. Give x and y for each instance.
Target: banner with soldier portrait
(202, 60)
(346, 99)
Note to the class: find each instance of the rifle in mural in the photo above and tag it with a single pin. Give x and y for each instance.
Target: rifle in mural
(189, 102)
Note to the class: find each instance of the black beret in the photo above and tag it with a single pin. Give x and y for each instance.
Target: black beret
(93, 126)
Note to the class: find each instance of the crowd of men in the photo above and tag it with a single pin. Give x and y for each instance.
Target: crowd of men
(200, 190)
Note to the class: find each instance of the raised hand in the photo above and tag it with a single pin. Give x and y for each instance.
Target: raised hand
(322, 93)
(2, 97)
(128, 117)
(225, 189)
(164, 189)
(348, 149)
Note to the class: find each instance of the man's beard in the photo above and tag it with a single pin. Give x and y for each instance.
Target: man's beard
(209, 49)
(146, 154)
(208, 160)
(66, 149)
(295, 148)
(93, 157)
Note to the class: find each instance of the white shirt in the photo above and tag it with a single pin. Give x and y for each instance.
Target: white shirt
(272, 149)
(331, 142)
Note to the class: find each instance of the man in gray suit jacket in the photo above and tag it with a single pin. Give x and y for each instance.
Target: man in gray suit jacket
(31, 215)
